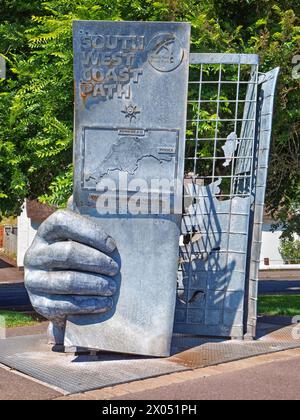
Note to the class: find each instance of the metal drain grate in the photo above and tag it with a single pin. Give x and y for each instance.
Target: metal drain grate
(210, 353)
(74, 374)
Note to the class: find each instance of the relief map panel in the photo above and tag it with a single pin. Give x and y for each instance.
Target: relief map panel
(146, 154)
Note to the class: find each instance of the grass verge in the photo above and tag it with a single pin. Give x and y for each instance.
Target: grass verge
(287, 305)
(18, 319)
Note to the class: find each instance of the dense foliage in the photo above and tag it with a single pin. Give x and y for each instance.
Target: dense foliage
(290, 251)
(36, 103)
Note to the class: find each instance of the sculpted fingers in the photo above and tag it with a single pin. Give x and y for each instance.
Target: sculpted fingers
(70, 256)
(69, 283)
(56, 306)
(65, 224)
(68, 271)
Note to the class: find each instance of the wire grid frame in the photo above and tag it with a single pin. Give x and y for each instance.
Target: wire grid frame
(221, 102)
(221, 127)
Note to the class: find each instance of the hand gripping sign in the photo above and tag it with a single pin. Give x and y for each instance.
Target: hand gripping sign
(105, 272)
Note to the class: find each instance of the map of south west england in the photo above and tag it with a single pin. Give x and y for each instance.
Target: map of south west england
(126, 154)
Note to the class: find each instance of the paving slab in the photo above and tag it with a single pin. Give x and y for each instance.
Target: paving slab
(279, 380)
(16, 387)
(279, 274)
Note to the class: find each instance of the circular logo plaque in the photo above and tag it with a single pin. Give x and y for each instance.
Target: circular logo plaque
(165, 52)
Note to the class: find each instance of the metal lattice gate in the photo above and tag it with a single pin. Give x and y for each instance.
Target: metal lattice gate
(228, 139)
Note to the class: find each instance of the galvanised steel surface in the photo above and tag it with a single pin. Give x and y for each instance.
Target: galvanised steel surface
(224, 186)
(267, 88)
(131, 83)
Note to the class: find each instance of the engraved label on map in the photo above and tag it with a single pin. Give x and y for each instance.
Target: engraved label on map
(167, 150)
(136, 156)
(131, 132)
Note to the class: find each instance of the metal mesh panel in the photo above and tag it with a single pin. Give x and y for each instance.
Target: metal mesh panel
(221, 123)
(221, 135)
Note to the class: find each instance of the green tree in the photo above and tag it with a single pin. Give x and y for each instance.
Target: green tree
(36, 100)
(290, 251)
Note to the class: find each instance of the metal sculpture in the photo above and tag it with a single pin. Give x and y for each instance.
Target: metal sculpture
(116, 291)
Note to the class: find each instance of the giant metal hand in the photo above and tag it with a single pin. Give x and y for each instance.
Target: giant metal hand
(68, 271)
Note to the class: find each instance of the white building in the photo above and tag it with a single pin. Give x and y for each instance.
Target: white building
(32, 216)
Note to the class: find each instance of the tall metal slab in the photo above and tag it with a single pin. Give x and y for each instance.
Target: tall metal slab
(131, 81)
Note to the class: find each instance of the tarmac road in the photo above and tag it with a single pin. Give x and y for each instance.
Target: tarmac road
(279, 287)
(13, 294)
